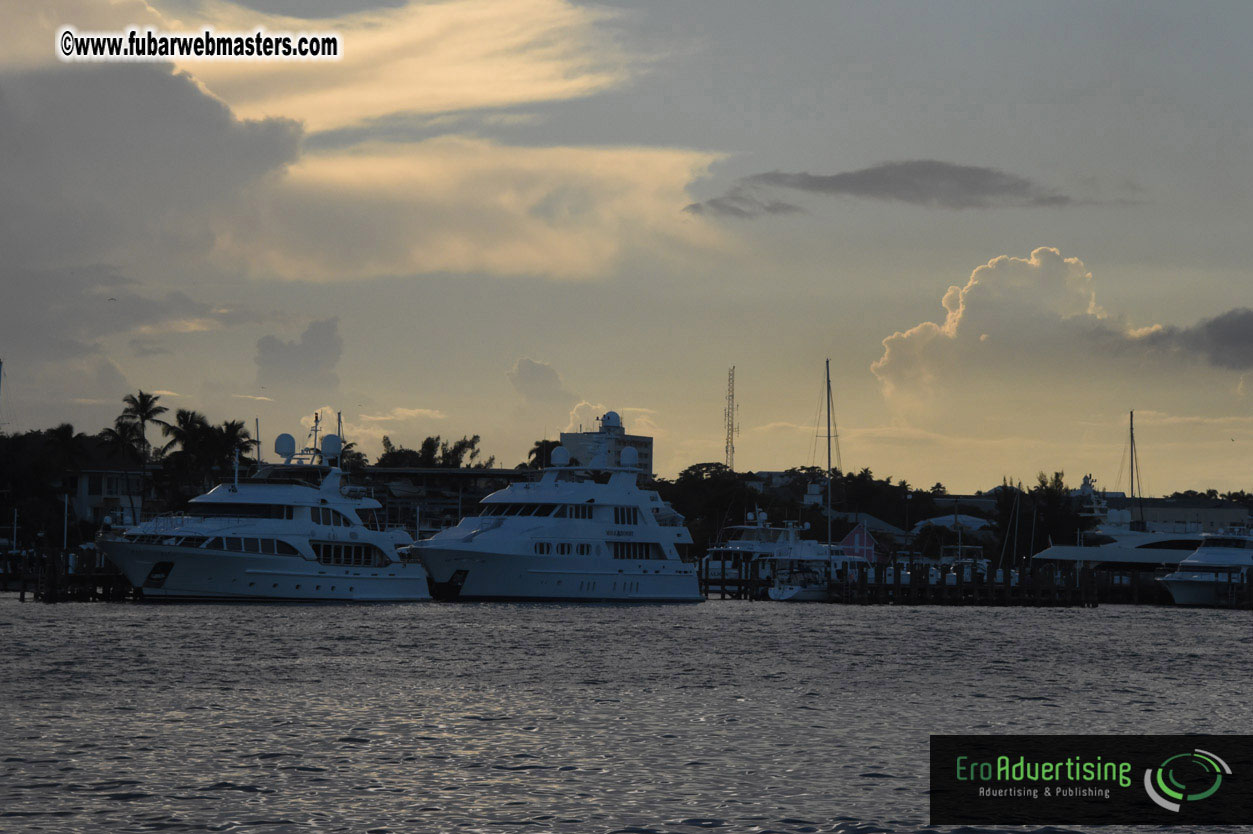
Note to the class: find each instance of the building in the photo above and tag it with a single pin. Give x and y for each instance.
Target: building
(97, 493)
(604, 446)
(426, 500)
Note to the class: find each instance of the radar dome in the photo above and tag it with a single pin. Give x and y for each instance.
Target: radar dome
(285, 446)
(331, 446)
(611, 418)
(560, 456)
(629, 459)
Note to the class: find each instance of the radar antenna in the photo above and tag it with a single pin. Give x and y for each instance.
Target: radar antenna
(732, 416)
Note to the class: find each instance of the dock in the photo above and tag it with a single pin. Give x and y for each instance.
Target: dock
(1039, 585)
(63, 576)
(924, 586)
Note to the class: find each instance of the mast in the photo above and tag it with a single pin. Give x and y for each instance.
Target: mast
(1135, 472)
(828, 512)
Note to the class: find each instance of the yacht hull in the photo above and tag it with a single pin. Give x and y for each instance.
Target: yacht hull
(469, 576)
(1206, 589)
(180, 573)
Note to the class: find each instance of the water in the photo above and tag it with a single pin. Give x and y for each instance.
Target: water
(728, 715)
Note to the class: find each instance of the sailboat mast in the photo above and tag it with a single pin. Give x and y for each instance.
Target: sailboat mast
(1135, 471)
(828, 512)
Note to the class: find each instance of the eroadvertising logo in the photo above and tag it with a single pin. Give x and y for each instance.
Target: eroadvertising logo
(1070, 779)
(1210, 768)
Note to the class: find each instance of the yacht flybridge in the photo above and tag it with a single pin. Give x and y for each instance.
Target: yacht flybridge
(579, 533)
(293, 531)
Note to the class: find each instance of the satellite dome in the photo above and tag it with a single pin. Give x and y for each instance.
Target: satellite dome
(629, 459)
(331, 446)
(611, 418)
(285, 446)
(560, 456)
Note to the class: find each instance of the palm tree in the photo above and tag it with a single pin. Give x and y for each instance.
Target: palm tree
(228, 440)
(67, 448)
(541, 454)
(126, 441)
(351, 458)
(142, 408)
(189, 435)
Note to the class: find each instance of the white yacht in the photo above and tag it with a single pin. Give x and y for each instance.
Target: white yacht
(579, 533)
(747, 551)
(1118, 542)
(294, 531)
(1206, 577)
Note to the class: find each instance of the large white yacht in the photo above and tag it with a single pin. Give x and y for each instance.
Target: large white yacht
(1118, 542)
(1206, 577)
(294, 531)
(579, 533)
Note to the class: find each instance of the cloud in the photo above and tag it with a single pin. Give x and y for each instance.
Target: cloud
(147, 347)
(1225, 341)
(1006, 302)
(1025, 317)
(457, 204)
(253, 397)
(538, 382)
(420, 58)
(782, 425)
(398, 414)
(98, 163)
(307, 362)
(209, 166)
(68, 311)
(921, 182)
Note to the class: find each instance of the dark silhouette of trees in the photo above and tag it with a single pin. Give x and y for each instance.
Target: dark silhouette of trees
(541, 454)
(435, 453)
(142, 408)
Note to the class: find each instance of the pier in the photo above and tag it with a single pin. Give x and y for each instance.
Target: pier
(869, 585)
(1040, 585)
(63, 576)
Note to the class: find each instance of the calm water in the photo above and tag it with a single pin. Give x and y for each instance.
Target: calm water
(729, 715)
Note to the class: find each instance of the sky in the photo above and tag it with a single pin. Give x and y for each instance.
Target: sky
(1006, 225)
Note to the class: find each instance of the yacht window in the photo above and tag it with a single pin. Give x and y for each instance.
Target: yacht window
(513, 509)
(636, 550)
(215, 543)
(252, 545)
(584, 549)
(219, 509)
(267, 547)
(543, 548)
(285, 549)
(626, 515)
(561, 512)
(563, 549)
(235, 545)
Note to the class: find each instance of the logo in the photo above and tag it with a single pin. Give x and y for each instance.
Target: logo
(1165, 780)
(1192, 776)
